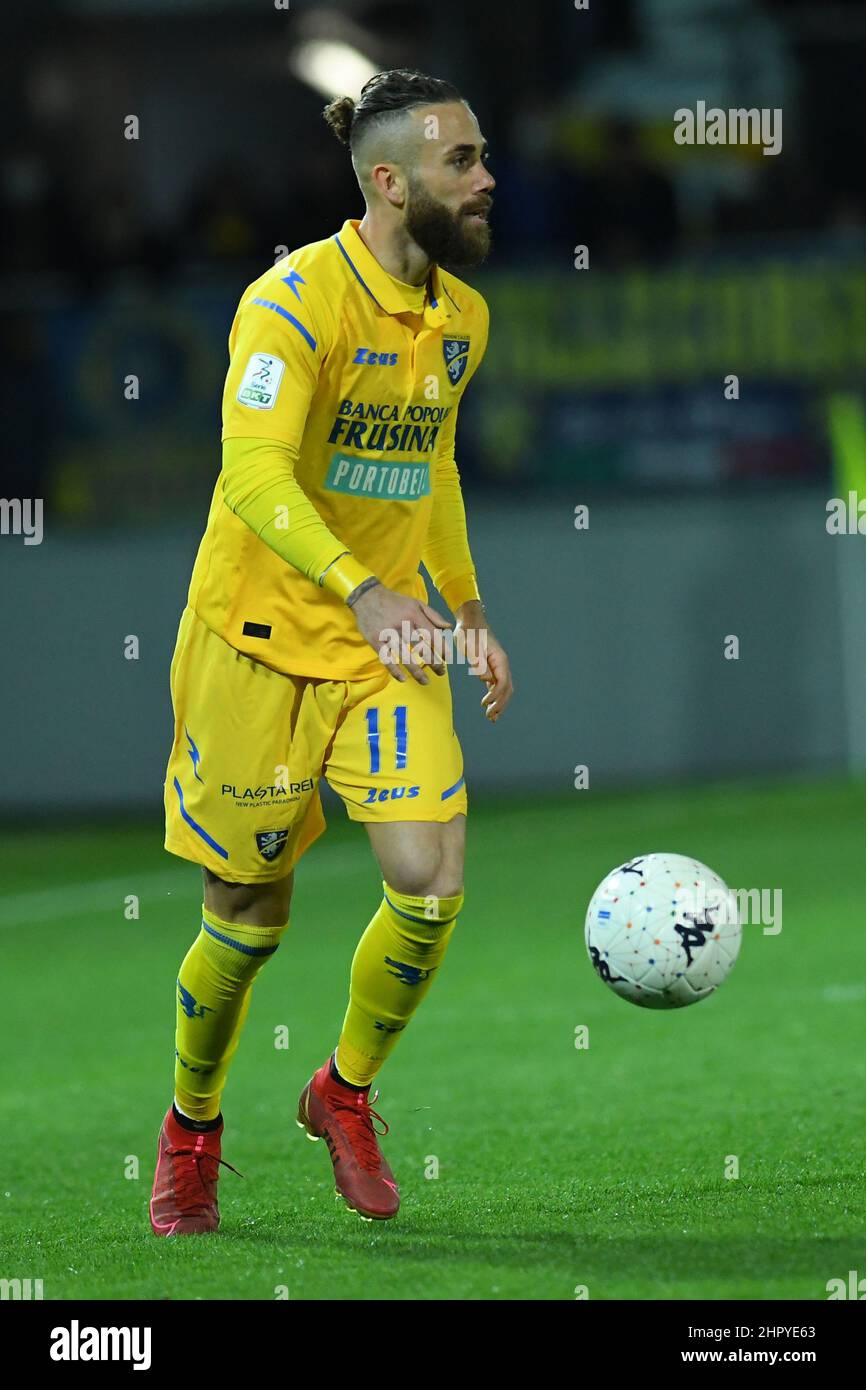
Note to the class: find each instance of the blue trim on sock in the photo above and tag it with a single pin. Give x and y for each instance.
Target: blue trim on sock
(238, 945)
(424, 921)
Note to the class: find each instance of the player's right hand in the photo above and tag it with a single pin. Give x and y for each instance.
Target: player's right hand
(400, 629)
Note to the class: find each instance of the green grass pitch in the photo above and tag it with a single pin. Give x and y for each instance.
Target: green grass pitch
(557, 1167)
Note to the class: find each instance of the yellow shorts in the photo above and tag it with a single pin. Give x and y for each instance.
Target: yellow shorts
(250, 745)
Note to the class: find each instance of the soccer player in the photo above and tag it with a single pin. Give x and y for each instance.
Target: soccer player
(348, 360)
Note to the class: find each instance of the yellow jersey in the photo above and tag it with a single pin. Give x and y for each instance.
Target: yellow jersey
(358, 377)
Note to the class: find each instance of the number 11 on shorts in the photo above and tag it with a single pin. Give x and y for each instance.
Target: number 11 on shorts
(401, 737)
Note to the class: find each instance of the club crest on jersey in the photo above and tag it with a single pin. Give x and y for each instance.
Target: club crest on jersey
(271, 843)
(456, 354)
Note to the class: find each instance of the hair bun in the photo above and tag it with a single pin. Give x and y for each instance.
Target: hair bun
(338, 115)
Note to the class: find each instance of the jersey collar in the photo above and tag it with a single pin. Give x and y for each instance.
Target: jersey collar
(379, 285)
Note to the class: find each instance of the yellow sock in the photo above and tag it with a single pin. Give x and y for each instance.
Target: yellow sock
(213, 997)
(392, 970)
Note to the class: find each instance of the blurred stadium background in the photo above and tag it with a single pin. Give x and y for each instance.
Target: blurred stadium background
(602, 388)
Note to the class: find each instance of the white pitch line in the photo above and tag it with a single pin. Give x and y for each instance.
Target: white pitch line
(844, 994)
(107, 894)
(97, 895)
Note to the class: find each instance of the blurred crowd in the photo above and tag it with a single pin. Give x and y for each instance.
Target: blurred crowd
(619, 199)
(606, 182)
(235, 161)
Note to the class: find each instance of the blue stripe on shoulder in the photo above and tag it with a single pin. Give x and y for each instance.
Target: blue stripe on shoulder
(284, 313)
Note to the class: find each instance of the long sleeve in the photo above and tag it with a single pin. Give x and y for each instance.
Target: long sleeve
(260, 487)
(277, 350)
(446, 552)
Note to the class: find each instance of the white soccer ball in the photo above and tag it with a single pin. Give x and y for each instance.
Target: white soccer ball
(663, 931)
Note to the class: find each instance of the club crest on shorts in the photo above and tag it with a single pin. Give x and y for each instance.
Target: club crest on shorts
(456, 354)
(271, 843)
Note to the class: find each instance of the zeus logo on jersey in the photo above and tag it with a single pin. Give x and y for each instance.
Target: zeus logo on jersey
(389, 794)
(365, 357)
(261, 381)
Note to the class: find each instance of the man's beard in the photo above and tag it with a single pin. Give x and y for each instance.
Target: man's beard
(446, 237)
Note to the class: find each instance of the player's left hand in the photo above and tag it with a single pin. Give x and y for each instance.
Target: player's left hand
(491, 664)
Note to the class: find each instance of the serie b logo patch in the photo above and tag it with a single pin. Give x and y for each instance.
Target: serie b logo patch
(261, 381)
(271, 843)
(456, 354)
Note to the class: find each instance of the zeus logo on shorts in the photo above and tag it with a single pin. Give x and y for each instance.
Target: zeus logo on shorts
(261, 381)
(389, 794)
